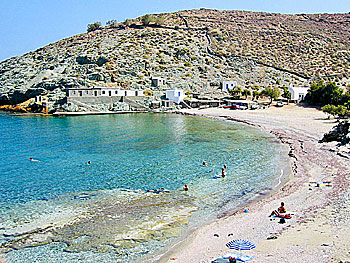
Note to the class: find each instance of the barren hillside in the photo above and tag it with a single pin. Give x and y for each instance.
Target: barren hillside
(194, 49)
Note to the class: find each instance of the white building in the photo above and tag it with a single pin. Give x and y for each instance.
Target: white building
(228, 85)
(298, 93)
(175, 95)
(103, 92)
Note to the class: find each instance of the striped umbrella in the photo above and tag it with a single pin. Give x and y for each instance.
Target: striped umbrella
(240, 244)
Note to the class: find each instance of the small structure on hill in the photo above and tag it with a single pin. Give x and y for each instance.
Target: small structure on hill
(298, 93)
(228, 85)
(157, 82)
(175, 95)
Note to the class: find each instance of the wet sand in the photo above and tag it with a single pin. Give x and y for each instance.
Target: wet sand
(319, 230)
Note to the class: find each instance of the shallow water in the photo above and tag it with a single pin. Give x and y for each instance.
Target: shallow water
(61, 209)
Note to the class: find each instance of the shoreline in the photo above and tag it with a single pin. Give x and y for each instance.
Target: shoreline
(301, 238)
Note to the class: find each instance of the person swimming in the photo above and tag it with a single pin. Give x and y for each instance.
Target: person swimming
(88, 163)
(205, 163)
(33, 160)
(186, 188)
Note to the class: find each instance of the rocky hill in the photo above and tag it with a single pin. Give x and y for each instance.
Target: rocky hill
(194, 49)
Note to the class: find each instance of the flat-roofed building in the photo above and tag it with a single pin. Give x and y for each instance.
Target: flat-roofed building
(298, 93)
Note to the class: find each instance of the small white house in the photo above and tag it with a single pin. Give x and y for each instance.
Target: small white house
(228, 85)
(298, 93)
(175, 95)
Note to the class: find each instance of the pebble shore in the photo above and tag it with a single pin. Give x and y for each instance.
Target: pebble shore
(319, 230)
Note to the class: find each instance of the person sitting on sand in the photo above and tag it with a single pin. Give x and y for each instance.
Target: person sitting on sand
(186, 188)
(279, 211)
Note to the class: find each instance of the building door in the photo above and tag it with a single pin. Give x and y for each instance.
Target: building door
(80, 93)
(95, 93)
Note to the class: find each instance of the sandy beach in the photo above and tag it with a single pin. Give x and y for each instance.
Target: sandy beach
(319, 230)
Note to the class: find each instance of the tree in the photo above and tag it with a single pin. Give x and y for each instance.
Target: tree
(272, 93)
(256, 94)
(111, 23)
(236, 92)
(159, 21)
(94, 26)
(341, 111)
(323, 94)
(127, 22)
(148, 92)
(333, 110)
(286, 94)
(329, 109)
(246, 93)
(147, 19)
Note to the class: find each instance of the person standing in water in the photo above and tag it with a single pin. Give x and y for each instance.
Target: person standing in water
(223, 172)
(186, 188)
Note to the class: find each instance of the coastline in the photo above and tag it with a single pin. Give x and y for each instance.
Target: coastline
(314, 232)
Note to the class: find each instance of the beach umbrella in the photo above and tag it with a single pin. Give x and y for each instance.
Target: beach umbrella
(240, 244)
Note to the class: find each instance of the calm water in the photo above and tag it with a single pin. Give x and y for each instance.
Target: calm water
(111, 216)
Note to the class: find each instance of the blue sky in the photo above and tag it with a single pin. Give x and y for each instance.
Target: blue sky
(26, 25)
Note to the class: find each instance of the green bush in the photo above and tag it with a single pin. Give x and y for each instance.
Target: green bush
(322, 94)
(94, 26)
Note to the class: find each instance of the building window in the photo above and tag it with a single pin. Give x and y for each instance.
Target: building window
(95, 92)
(87, 92)
(110, 93)
(179, 94)
(103, 92)
(116, 92)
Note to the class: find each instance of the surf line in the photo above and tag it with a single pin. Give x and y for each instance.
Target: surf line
(279, 179)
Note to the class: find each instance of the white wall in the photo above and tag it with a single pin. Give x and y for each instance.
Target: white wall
(228, 85)
(298, 93)
(104, 92)
(175, 95)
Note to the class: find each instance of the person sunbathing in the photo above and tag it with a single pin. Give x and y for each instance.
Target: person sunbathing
(279, 211)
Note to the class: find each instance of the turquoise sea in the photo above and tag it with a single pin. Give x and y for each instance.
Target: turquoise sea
(60, 209)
